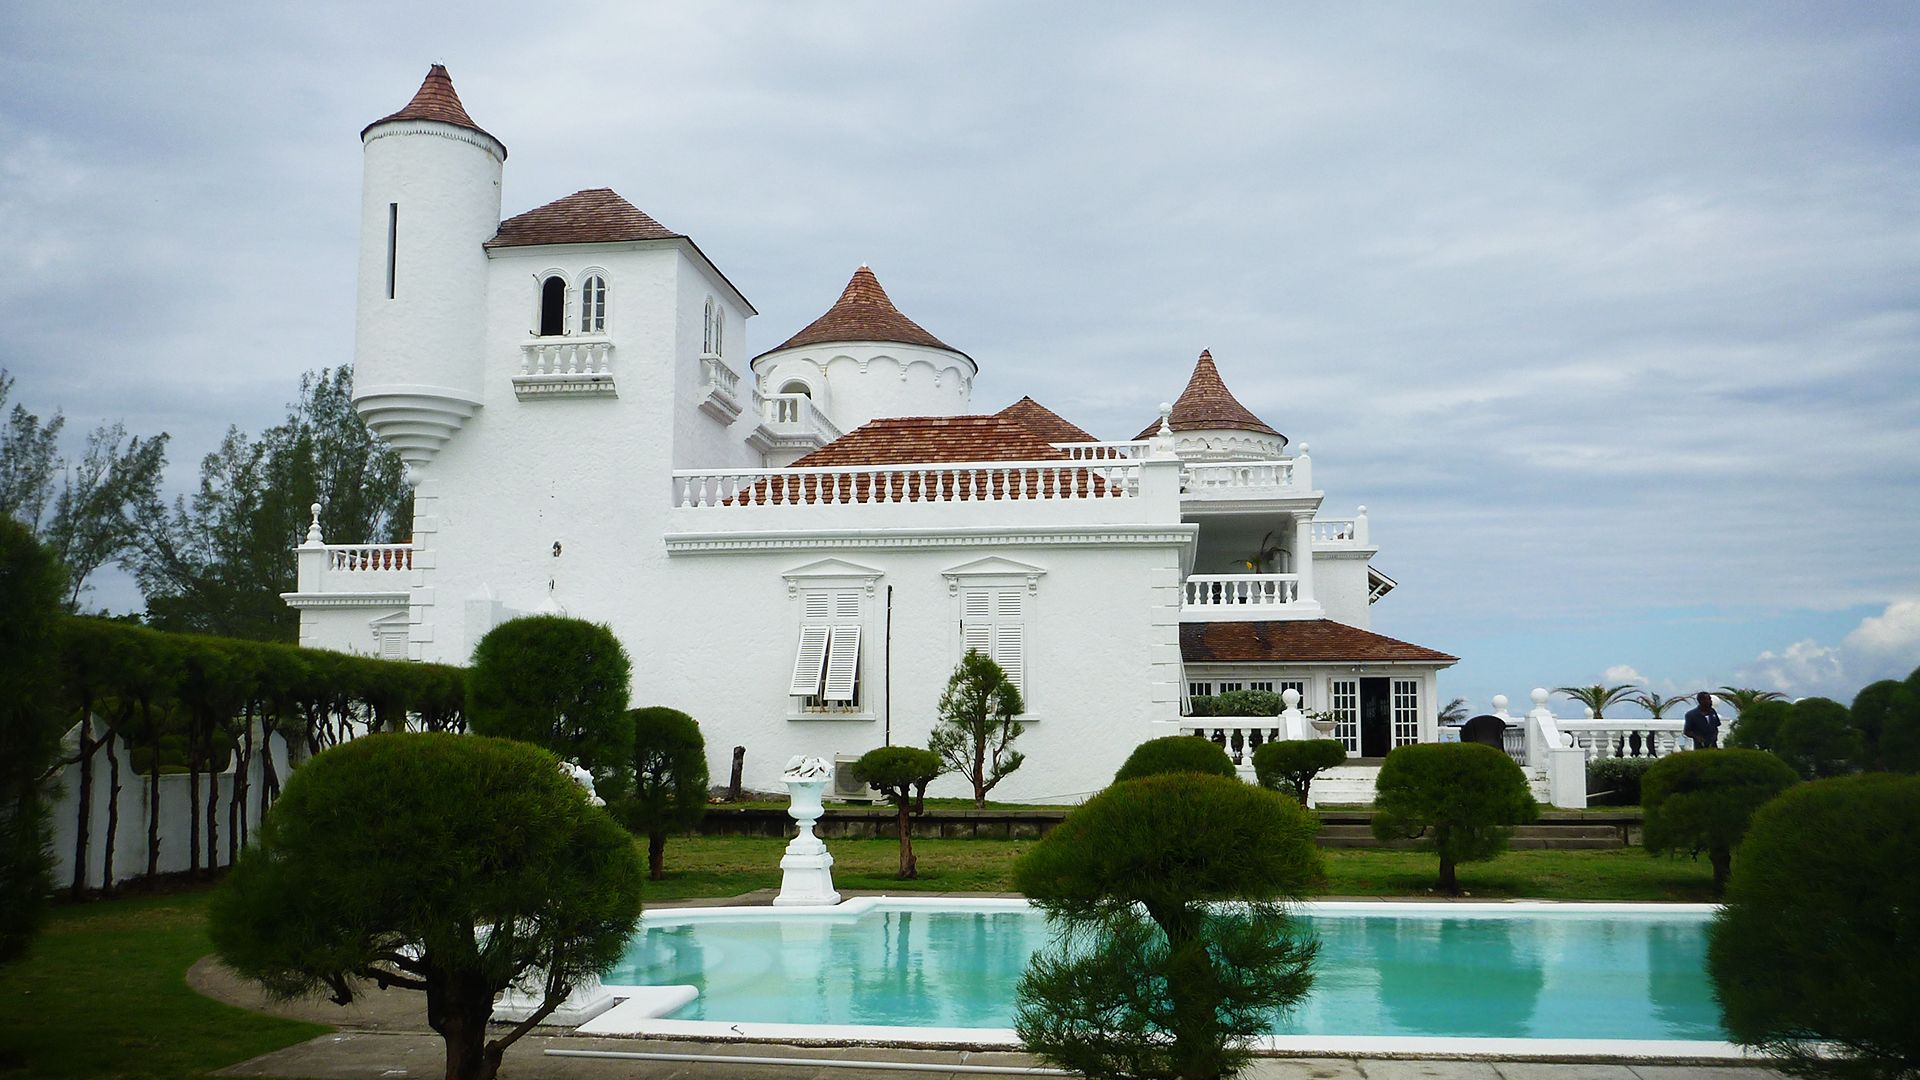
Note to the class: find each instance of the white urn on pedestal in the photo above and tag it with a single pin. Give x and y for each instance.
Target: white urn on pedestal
(806, 869)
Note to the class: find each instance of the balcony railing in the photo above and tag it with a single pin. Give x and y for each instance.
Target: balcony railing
(792, 415)
(1609, 738)
(1236, 477)
(1083, 451)
(979, 481)
(720, 390)
(561, 367)
(1337, 531)
(368, 558)
(1241, 590)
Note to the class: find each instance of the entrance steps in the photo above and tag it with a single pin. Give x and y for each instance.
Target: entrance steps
(1354, 829)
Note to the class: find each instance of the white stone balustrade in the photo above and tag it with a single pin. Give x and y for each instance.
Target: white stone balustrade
(1082, 451)
(1336, 532)
(368, 558)
(1239, 736)
(1235, 478)
(1610, 738)
(796, 414)
(562, 366)
(719, 376)
(981, 481)
(1241, 590)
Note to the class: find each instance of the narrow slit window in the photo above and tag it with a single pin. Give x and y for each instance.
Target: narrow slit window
(393, 239)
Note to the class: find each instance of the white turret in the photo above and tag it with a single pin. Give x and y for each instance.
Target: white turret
(430, 198)
(863, 359)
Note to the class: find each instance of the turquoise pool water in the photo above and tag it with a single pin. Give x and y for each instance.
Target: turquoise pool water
(1553, 974)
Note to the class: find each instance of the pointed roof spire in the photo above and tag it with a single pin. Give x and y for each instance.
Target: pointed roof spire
(863, 313)
(436, 100)
(1206, 403)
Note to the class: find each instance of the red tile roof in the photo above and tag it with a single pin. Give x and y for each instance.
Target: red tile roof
(1304, 641)
(901, 440)
(1044, 422)
(593, 216)
(1207, 403)
(436, 100)
(863, 313)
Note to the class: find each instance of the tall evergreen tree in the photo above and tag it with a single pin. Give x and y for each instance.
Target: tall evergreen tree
(217, 562)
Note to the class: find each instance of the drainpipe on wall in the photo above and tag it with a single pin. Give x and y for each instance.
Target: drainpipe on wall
(886, 694)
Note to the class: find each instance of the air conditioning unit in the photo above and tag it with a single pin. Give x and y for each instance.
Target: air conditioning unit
(848, 785)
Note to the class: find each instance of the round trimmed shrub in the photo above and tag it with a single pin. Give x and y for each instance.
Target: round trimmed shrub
(1758, 728)
(1900, 728)
(1175, 754)
(1702, 800)
(1152, 976)
(902, 773)
(1818, 739)
(1289, 766)
(392, 856)
(1819, 941)
(559, 683)
(669, 779)
(1460, 800)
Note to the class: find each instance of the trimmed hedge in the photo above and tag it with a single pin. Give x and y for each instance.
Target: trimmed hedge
(1237, 703)
(1702, 800)
(1616, 781)
(1175, 754)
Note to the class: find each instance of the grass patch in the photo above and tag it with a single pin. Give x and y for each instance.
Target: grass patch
(729, 865)
(103, 993)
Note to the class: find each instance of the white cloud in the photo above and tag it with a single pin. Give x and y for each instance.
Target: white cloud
(1624, 673)
(1883, 646)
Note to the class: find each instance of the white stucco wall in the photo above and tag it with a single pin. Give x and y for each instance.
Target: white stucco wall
(1340, 584)
(854, 382)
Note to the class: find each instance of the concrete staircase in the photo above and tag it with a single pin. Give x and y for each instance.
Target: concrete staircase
(1554, 831)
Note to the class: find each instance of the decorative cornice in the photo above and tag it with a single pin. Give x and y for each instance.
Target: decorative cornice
(919, 539)
(345, 599)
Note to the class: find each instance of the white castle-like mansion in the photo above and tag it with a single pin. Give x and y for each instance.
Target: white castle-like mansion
(796, 548)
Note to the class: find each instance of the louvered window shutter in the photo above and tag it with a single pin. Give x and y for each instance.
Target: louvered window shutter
(1009, 637)
(809, 662)
(843, 662)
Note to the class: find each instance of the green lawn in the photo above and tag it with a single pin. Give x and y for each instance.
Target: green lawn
(103, 992)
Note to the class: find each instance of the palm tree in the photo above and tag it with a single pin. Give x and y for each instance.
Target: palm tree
(1742, 700)
(1658, 705)
(1597, 698)
(1455, 712)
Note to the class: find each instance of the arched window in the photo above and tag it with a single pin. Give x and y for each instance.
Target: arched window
(553, 307)
(797, 387)
(719, 331)
(706, 334)
(593, 305)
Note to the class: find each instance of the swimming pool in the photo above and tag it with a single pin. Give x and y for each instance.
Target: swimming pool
(1471, 976)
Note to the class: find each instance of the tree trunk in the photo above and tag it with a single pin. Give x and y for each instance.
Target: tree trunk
(1449, 884)
(153, 793)
(113, 813)
(908, 863)
(213, 807)
(1722, 859)
(462, 1024)
(656, 856)
(193, 799)
(84, 827)
(980, 772)
(733, 781)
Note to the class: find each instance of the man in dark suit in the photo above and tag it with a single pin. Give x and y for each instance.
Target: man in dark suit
(1703, 724)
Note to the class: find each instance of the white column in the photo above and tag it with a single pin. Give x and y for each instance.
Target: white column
(1303, 556)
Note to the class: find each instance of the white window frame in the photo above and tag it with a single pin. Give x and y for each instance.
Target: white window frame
(1343, 701)
(846, 686)
(1008, 636)
(566, 301)
(1404, 704)
(706, 332)
(593, 301)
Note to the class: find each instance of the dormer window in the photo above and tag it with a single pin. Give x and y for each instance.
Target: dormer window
(593, 305)
(553, 306)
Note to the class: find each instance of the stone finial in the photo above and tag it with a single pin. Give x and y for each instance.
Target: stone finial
(1589, 712)
(1499, 704)
(1539, 696)
(1290, 698)
(1166, 419)
(313, 530)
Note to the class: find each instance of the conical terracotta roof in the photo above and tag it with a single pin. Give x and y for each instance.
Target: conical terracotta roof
(863, 313)
(1206, 403)
(593, 216)
(1044, 422)
(436, 100)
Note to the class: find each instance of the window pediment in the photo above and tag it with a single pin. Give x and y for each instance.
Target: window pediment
(993, 566)
(828, 571)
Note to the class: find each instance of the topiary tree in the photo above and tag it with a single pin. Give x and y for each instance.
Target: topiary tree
(1818, 739)
(669, 780)
(1460, 799)
(559, 683)
(1814, 957)
(1702, 801)
(32, 586)
(1900, 731)
(451, 864)
(1758, 725)
(1290, 765)
(1879, 710)
(975, 730)
(1175, 948)
(1175, 754)
(901, 774)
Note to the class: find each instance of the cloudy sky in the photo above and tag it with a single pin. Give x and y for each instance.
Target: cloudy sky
(1610, 314)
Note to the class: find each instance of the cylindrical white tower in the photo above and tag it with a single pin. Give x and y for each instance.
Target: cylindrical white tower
(863, 359)
(430, 197)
